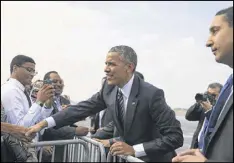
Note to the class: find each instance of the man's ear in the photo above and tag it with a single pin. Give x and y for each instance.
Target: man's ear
(131, 67)
(14, 68)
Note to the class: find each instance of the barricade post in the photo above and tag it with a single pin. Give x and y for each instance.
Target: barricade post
(122, 158)
(97, 150)
(73, 143)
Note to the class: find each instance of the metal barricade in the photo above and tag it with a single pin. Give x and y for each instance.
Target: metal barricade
(68, 156)
(122, 158)
(97, 150)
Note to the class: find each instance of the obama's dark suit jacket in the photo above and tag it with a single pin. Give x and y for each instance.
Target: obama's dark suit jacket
(148, 120)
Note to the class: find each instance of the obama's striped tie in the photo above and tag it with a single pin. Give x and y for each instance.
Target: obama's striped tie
(120, 107)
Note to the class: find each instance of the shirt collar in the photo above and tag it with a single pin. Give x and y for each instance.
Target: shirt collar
(126, 90)
(16, 83)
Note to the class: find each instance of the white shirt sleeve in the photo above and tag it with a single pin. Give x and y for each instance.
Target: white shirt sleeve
(13, 104)
(139, 150)
(46, 112)
(51, 122)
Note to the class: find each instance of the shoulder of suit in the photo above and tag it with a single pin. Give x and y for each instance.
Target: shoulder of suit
(63, 99)
(142, 84)
(107, 88)
(148, 86)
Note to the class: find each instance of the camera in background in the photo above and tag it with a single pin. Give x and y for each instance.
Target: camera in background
(199, 97)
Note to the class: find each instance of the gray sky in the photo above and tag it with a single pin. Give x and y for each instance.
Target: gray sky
(73, 38)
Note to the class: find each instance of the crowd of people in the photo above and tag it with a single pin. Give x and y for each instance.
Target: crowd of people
(129, 115)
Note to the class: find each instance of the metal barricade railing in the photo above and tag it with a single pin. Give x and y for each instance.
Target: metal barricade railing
(97, 150)
(82, 149)
(69, 154)
(122, 158)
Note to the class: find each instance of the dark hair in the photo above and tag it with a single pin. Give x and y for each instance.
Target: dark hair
(228, 13)
(47, 75)
(19, 60)
(127, 53)
(140, 75)
(216, 85)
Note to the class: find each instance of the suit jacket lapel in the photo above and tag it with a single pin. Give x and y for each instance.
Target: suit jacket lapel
(115, 110)
(131, 106)
(226, 108)
(103, 118)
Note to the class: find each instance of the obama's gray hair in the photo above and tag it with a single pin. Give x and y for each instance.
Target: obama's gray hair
(128, 54)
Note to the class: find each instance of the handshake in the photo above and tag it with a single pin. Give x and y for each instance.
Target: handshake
(17, 131)
(31, 131)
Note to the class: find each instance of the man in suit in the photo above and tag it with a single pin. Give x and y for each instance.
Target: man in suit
(66, 132)
(106, 118)
(218, 137)
(201, 109)
(57, 102)
(146, 125)
(109, 131)
(101, 119)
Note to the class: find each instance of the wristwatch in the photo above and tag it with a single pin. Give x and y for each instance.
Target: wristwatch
(40, 103)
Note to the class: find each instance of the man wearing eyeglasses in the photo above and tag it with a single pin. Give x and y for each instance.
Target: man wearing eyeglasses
(18, 106)
(66, 132)
(58, 102)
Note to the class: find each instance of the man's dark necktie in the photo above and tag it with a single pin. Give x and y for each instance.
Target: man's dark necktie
(224, 94)
(28, 98)
(96, 122)
(120, 107)
(55, 107)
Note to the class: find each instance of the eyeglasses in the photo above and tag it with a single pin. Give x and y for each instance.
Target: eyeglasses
(55, 81)
(30, 70)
